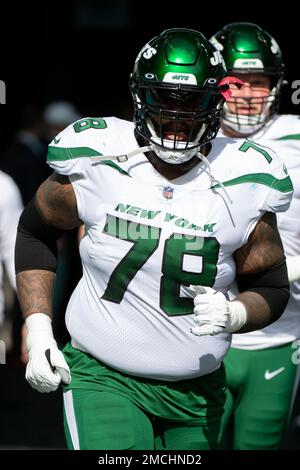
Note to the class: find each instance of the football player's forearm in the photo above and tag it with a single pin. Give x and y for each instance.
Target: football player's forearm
(262, 275)
(35, 291)
(264, 295)
(258, 310)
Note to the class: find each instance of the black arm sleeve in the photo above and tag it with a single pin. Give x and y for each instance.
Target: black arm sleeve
(36, 241)
(272, 285)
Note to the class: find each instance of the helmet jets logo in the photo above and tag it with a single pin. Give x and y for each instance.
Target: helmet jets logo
(149, 52)
(216, 43)
(248, 63)
(180, 77)
(217, 59)
(274, 46)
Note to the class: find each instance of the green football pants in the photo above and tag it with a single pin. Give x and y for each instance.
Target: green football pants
(260, 391)
(107, 410)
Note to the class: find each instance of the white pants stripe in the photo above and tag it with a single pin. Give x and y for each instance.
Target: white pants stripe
(71, 419)
(297, 380)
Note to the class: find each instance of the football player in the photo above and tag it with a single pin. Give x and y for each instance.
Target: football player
(261, 368)
(171, 216)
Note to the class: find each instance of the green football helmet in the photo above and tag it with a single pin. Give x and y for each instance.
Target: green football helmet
(176, 93)
(247, 48)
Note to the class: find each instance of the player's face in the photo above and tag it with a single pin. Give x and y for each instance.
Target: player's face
(176, 119)
(182, 131)
(251, 98)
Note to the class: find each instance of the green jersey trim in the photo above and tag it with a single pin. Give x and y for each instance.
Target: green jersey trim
(283, 185)
(114, 166)
(63, 153)
(289, 137)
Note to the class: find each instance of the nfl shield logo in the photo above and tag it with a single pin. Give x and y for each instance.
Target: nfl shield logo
(168, 192)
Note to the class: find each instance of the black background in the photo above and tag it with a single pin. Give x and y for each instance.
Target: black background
(84, 51)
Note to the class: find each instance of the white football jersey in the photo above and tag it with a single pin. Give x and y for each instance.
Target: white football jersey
(10, 210)
(282, 134)
(147, 239)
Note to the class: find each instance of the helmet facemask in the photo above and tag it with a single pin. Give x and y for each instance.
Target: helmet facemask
(259, 112)
(177, 119)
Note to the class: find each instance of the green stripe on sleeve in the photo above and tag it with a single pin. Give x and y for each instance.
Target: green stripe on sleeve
(115, 166)
(283, 185)
(63, 153)
(289, 137)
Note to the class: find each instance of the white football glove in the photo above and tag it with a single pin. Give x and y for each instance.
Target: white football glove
(214, 314)
(47, 366)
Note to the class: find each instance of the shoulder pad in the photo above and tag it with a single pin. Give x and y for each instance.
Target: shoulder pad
(71, 149)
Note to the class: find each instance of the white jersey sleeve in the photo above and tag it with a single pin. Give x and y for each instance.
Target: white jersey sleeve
(281, 190)
(258, 170)
(72, 152)
(273, 174)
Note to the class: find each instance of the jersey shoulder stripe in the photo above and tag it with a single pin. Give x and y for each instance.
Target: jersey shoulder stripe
(65, 153)
(283, 185)
(78, 146)
(289, 137)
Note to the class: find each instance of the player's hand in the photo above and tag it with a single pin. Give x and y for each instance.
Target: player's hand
(47, 366)
(214, 314)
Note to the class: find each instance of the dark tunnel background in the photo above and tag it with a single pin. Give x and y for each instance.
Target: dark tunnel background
(84, 51)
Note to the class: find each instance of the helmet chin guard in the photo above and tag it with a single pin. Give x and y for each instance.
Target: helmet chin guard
(174, 157)
(248, 124)
(174, 151)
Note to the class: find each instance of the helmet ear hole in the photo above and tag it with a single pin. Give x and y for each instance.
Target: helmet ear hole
(175, 83)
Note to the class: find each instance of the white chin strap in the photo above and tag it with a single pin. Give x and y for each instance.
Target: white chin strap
(123, 158)
(168, 154)
(165, 155)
